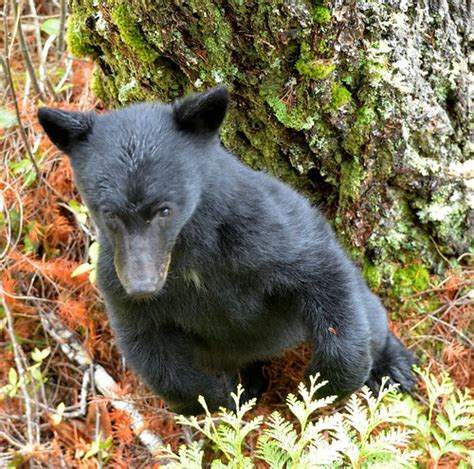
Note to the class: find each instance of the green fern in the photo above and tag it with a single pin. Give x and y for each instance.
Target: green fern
(438, 431)
(365, 437)
(228, 435)
(188, 457)
(282, 445)
(391, 429)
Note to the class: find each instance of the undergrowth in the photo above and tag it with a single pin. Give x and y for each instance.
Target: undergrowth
(391, 429)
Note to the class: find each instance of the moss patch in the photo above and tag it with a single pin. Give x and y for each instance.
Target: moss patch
(131, 33)
(292, 118)
(78, 36)
(411, 279)
(340, 96)
(359, 132)
(371, 274)
(352, 175)
(321, 15)
(316, 69)
(310, 66)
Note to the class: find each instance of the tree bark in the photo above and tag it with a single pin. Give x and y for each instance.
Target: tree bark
(363, 105)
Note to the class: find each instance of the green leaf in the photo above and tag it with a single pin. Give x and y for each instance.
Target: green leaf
(30, 178)
(39, 355)
(51, 26)
(12, 391)
(24, 167)
(21, 166)
(36, 372)
(94, 252)
(94, 449)
(93, 276)
(75, 206)
(36, 355)
(13, 377)
(82, 269)
(80, 211)
(7, 118)
(58, 416)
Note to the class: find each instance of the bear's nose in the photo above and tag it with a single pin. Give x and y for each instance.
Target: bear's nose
(142, 288)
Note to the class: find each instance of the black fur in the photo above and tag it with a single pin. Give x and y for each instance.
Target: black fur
(254, 269)
(65, 129)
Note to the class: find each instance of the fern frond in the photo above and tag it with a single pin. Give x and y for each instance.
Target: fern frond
(324, 454)
(269, 451)
(357, 416)
(303, 408)
(188, 457)
(281, 431)
(389, 442)
(436, 387)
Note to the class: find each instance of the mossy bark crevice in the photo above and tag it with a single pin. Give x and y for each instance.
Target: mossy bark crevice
(362, 105)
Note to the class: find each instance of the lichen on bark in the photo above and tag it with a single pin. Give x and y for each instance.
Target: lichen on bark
(363, 105)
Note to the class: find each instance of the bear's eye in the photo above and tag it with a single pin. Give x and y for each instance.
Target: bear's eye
(110, 216)
(163, 212)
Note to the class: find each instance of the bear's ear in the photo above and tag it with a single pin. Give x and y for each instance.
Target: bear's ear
(65, 128)
(202, 112)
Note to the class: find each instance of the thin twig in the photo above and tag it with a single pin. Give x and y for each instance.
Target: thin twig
(450, 326)
(62, 24)
(66, 75)
(43, 61)
(21, 375)
(25, 52)
(6, 68)
(36, 27)
(9, 80)
(19, 223)
(82, 408)
(12, 441)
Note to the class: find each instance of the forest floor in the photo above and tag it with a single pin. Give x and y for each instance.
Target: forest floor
(53, 408)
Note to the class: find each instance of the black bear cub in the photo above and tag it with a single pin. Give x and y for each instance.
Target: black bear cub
(209, 268)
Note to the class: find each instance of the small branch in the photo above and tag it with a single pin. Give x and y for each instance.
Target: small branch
(36, 26)
(10, 84)
(108, 387)
(24, 138)
(21, 375)
(43, 63)
(452, 328)
(62, 24)
(74, 411)
(25, 52)
(82, 410)
(67, 341)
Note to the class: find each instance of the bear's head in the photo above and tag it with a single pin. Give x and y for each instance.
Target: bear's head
(139, 170)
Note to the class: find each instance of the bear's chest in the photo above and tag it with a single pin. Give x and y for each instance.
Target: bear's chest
(232, 319)
(213, 304)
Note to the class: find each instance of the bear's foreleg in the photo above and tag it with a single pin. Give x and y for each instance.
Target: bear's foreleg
(341, 347)
(166, 361)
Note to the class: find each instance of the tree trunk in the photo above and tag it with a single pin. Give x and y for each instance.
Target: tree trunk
(363, 105)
